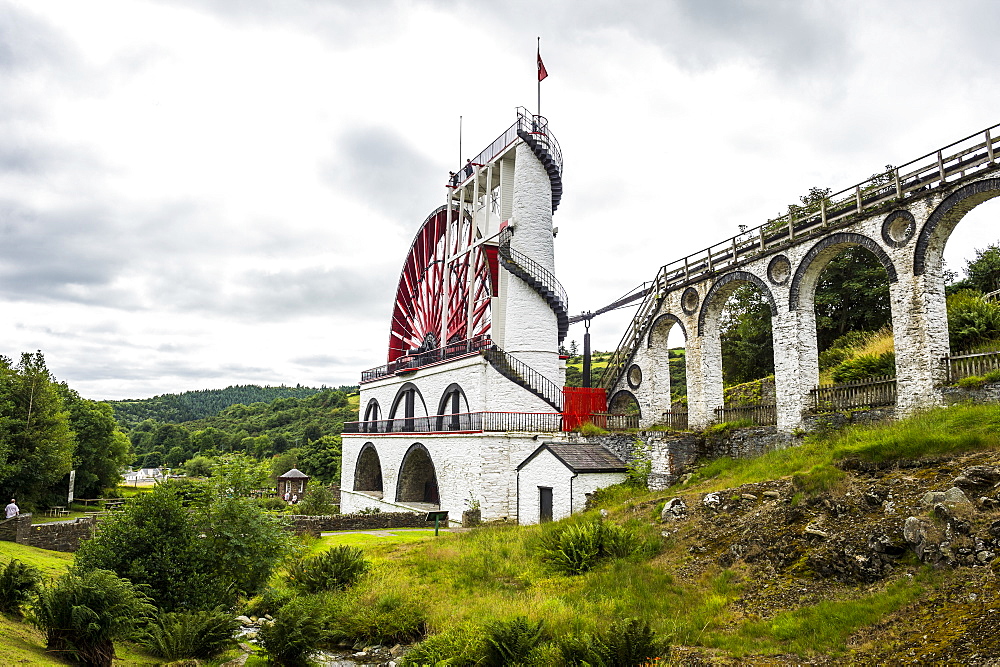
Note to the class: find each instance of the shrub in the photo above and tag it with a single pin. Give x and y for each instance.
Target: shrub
(511, 641)
(18, 582)
(589, 428)
(296, 632)
(865, 366)
(460, 647)
(83, 611)
(627, 643)
(271, 503)
(971, 382)
(577, 547)
(190, 634)
(319, 501)
(332, 570)
(972, 320)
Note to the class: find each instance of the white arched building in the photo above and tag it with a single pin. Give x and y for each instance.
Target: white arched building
(473, 383)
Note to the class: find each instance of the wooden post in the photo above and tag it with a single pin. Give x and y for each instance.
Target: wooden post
(940, 161)
(899, 186)
(989, 145)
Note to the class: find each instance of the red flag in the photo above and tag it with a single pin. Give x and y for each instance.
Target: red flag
(541, 68)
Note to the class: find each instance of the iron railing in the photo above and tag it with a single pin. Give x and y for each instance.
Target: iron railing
(526, 122)
(517, 371)
(763, 414)
(976, 152)
(531, 267)
(870, 393)
(413, 361)
(968, 364)
(468, 422)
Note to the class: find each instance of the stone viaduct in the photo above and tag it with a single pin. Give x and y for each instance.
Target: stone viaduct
(904, 217)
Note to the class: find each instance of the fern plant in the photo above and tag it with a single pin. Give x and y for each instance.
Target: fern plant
(510, 641)
(332, 570)
(18, 582)
(190, 634)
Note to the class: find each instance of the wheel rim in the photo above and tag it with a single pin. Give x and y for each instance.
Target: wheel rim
(444, 287)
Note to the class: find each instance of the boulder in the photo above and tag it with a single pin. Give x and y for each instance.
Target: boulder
(978, 478)
(673, 510)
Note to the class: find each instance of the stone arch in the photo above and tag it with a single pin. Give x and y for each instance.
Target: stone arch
(373, 413)
(723, 287)
(657, 329)
(368, 470)
(453, 409)
(934, 234)
(410, 400)
(624, 402)
(816, 259)
(417, 482)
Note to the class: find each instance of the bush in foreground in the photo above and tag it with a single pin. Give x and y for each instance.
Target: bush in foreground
(84, 611)
(575, 548)
(332, 570)
(18, 582)
(297, 631)
(190, 634)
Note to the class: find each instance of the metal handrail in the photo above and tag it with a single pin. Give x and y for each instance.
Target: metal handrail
(895, 184)
(464, 422)
(545, 387)
(415, 360)
(526, 122)
(531, 267)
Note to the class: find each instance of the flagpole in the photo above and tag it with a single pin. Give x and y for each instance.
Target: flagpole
(538, 51)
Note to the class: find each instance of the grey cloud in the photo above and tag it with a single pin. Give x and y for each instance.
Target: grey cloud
(27, 44)
(327, 360)
(381, 168)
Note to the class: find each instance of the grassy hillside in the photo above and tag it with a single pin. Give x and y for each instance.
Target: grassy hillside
(742, 580)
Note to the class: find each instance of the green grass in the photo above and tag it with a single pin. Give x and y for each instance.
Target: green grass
(821, 628)
(51, 563)
(938, 432)
(23, 644)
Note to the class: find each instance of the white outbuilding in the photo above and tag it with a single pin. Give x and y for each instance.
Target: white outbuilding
(556, 479)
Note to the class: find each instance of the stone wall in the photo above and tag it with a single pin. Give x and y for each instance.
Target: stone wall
(314, 525)
(52, 536)
(61, 536)
(671, 453)
(988, 393)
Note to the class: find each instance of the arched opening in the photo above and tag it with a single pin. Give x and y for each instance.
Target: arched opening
(623, 411)
(666, 344)
(407, 406)
(841, 289)
(453, 410)
(368, 471)
(738, 349)
(968, 241)
(372, 415)
(417, 479)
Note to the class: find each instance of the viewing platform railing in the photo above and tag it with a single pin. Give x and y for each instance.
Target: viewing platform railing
(763, 414)
(468, 422)
(526, 122)
(415, 360)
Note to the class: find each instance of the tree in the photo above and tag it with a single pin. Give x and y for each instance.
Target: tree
(238, 474)
(852, 295)
(195, 548)
(983, 271)
(747, 343)
(36, 443)
(199, 466)
(320, 459)
(101, 447)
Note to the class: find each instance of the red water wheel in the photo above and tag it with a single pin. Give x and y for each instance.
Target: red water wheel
(444, 288)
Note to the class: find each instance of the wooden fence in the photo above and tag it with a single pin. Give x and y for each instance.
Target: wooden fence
(870, 393)
(677, 420)
(967, 364)
(762, 414)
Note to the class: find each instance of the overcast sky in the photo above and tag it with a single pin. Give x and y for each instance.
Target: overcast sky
(201, 193)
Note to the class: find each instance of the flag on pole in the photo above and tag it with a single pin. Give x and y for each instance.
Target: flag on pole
(541, 67)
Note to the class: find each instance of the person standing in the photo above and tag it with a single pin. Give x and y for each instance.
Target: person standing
(12, 510)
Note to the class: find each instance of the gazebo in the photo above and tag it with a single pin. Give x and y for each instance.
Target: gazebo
(292, 485)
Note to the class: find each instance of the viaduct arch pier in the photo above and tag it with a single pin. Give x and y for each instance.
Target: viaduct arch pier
(903, 216)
